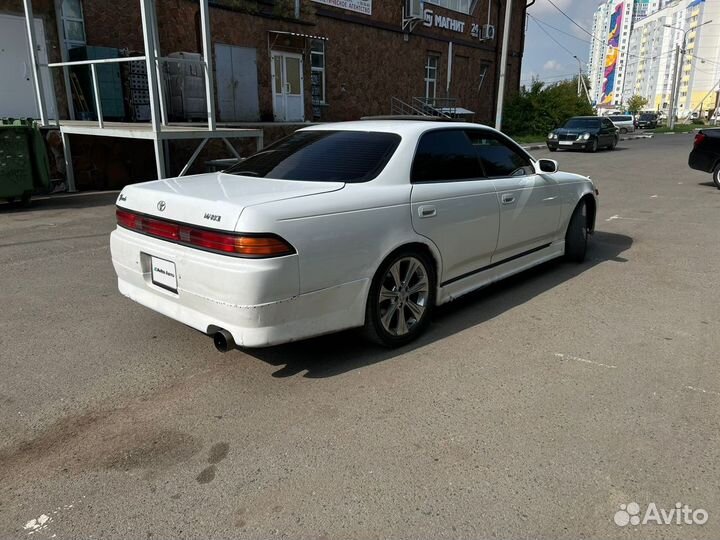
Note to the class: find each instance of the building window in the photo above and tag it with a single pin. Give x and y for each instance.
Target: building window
(73, 23)
(317, 63)
(463, 6)
(431, 69)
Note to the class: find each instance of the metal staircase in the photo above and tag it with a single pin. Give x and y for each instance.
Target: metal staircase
(420, 106)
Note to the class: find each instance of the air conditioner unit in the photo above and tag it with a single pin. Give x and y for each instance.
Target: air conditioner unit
(487, 32)
(414, 9)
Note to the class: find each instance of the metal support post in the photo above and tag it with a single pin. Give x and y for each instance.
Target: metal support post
(207, 56)
(145, 7)
(37, 80)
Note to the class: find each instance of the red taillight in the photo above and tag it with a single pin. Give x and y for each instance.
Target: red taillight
(255, 246)
(127, 219)
(211, 240)
(699, 138)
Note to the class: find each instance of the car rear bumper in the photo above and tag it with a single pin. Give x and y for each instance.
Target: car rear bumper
(256, 300)
(702, 160)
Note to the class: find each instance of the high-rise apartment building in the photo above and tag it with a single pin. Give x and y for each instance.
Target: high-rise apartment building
(634, 52)
(612, 22)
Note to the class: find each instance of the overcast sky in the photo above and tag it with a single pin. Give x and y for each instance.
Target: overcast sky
(543, 57)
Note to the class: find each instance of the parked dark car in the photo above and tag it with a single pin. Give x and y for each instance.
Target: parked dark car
(587, 133)
(647, 121)
(705, 155)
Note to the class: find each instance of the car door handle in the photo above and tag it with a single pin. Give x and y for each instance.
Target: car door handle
(427, 211)
(507, 198)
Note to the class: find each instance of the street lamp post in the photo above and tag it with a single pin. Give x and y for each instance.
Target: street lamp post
(679, 60)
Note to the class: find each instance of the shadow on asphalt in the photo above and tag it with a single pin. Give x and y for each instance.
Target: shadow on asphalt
(56, 202)
(710, 184)
(339, 353)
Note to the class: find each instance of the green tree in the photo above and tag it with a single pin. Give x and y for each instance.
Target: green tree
(636, 104)
(540, 108)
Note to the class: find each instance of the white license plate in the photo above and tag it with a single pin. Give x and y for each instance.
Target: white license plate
(566, 143)
(163, 273)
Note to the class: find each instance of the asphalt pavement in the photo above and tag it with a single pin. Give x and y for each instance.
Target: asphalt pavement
(532, 409)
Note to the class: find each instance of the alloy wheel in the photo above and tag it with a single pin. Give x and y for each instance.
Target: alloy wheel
(404, 295)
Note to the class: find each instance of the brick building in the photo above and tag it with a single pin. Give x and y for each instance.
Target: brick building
(276, 61)
(327, 64)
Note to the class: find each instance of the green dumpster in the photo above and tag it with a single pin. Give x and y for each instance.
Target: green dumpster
(24, 164)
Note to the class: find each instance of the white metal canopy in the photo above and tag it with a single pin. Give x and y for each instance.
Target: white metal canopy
(158, 130)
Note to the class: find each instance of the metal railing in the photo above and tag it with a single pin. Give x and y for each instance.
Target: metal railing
(420, 106)
(96, 89)
(444, 107)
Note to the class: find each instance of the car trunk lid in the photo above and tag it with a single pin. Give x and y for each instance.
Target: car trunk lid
(213, 200)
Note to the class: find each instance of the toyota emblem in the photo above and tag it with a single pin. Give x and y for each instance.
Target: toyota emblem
(161, 206)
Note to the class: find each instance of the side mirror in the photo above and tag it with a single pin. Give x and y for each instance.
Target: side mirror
(547, 166)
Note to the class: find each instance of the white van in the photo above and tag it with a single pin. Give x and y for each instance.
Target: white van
(624, 122)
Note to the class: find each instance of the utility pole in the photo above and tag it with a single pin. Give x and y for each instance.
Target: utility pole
(679, 60)
(580, 76)
(503, 65)
(671, 120)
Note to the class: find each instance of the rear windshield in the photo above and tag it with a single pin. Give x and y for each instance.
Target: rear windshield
(621, 118)
(648, 117)
(582, 123)
(322, 156)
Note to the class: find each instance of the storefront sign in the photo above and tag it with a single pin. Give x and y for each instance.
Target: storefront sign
(440, 21)
(361, 6)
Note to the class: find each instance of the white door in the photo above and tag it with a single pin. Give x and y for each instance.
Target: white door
(237, 83)
(17, 91)
(453, 204)
(530, 204)
(287, 83)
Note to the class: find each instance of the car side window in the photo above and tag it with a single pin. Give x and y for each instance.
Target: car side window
(606, 123)
(498, 158)
(445, 155)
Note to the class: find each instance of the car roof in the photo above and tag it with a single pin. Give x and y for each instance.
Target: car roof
(399, 127)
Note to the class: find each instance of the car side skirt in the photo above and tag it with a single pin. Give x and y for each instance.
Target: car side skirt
(454, 288)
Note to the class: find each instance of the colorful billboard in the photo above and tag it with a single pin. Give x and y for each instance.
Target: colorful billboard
(612, 55)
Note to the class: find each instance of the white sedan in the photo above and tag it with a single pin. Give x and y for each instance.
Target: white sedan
(358, 224)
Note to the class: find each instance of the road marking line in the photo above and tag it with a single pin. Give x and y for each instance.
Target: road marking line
(701, 390)
(612, 218)
(586, 361)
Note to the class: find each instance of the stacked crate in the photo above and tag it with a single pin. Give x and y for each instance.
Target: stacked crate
(137, 92)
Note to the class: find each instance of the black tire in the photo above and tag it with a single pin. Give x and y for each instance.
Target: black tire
(576, 237)
(623, 131)
(613, 144)
(716, 176)
(552, 149)
(378, 326)
(594, 146)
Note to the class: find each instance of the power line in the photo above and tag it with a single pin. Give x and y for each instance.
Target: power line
(603, 41)
(571, 19)
(555, 40)
(558, 30)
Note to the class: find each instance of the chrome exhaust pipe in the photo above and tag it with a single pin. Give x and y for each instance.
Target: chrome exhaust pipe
(223, 341)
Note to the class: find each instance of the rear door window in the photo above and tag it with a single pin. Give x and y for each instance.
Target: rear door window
(322, 156)
(445, 155)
